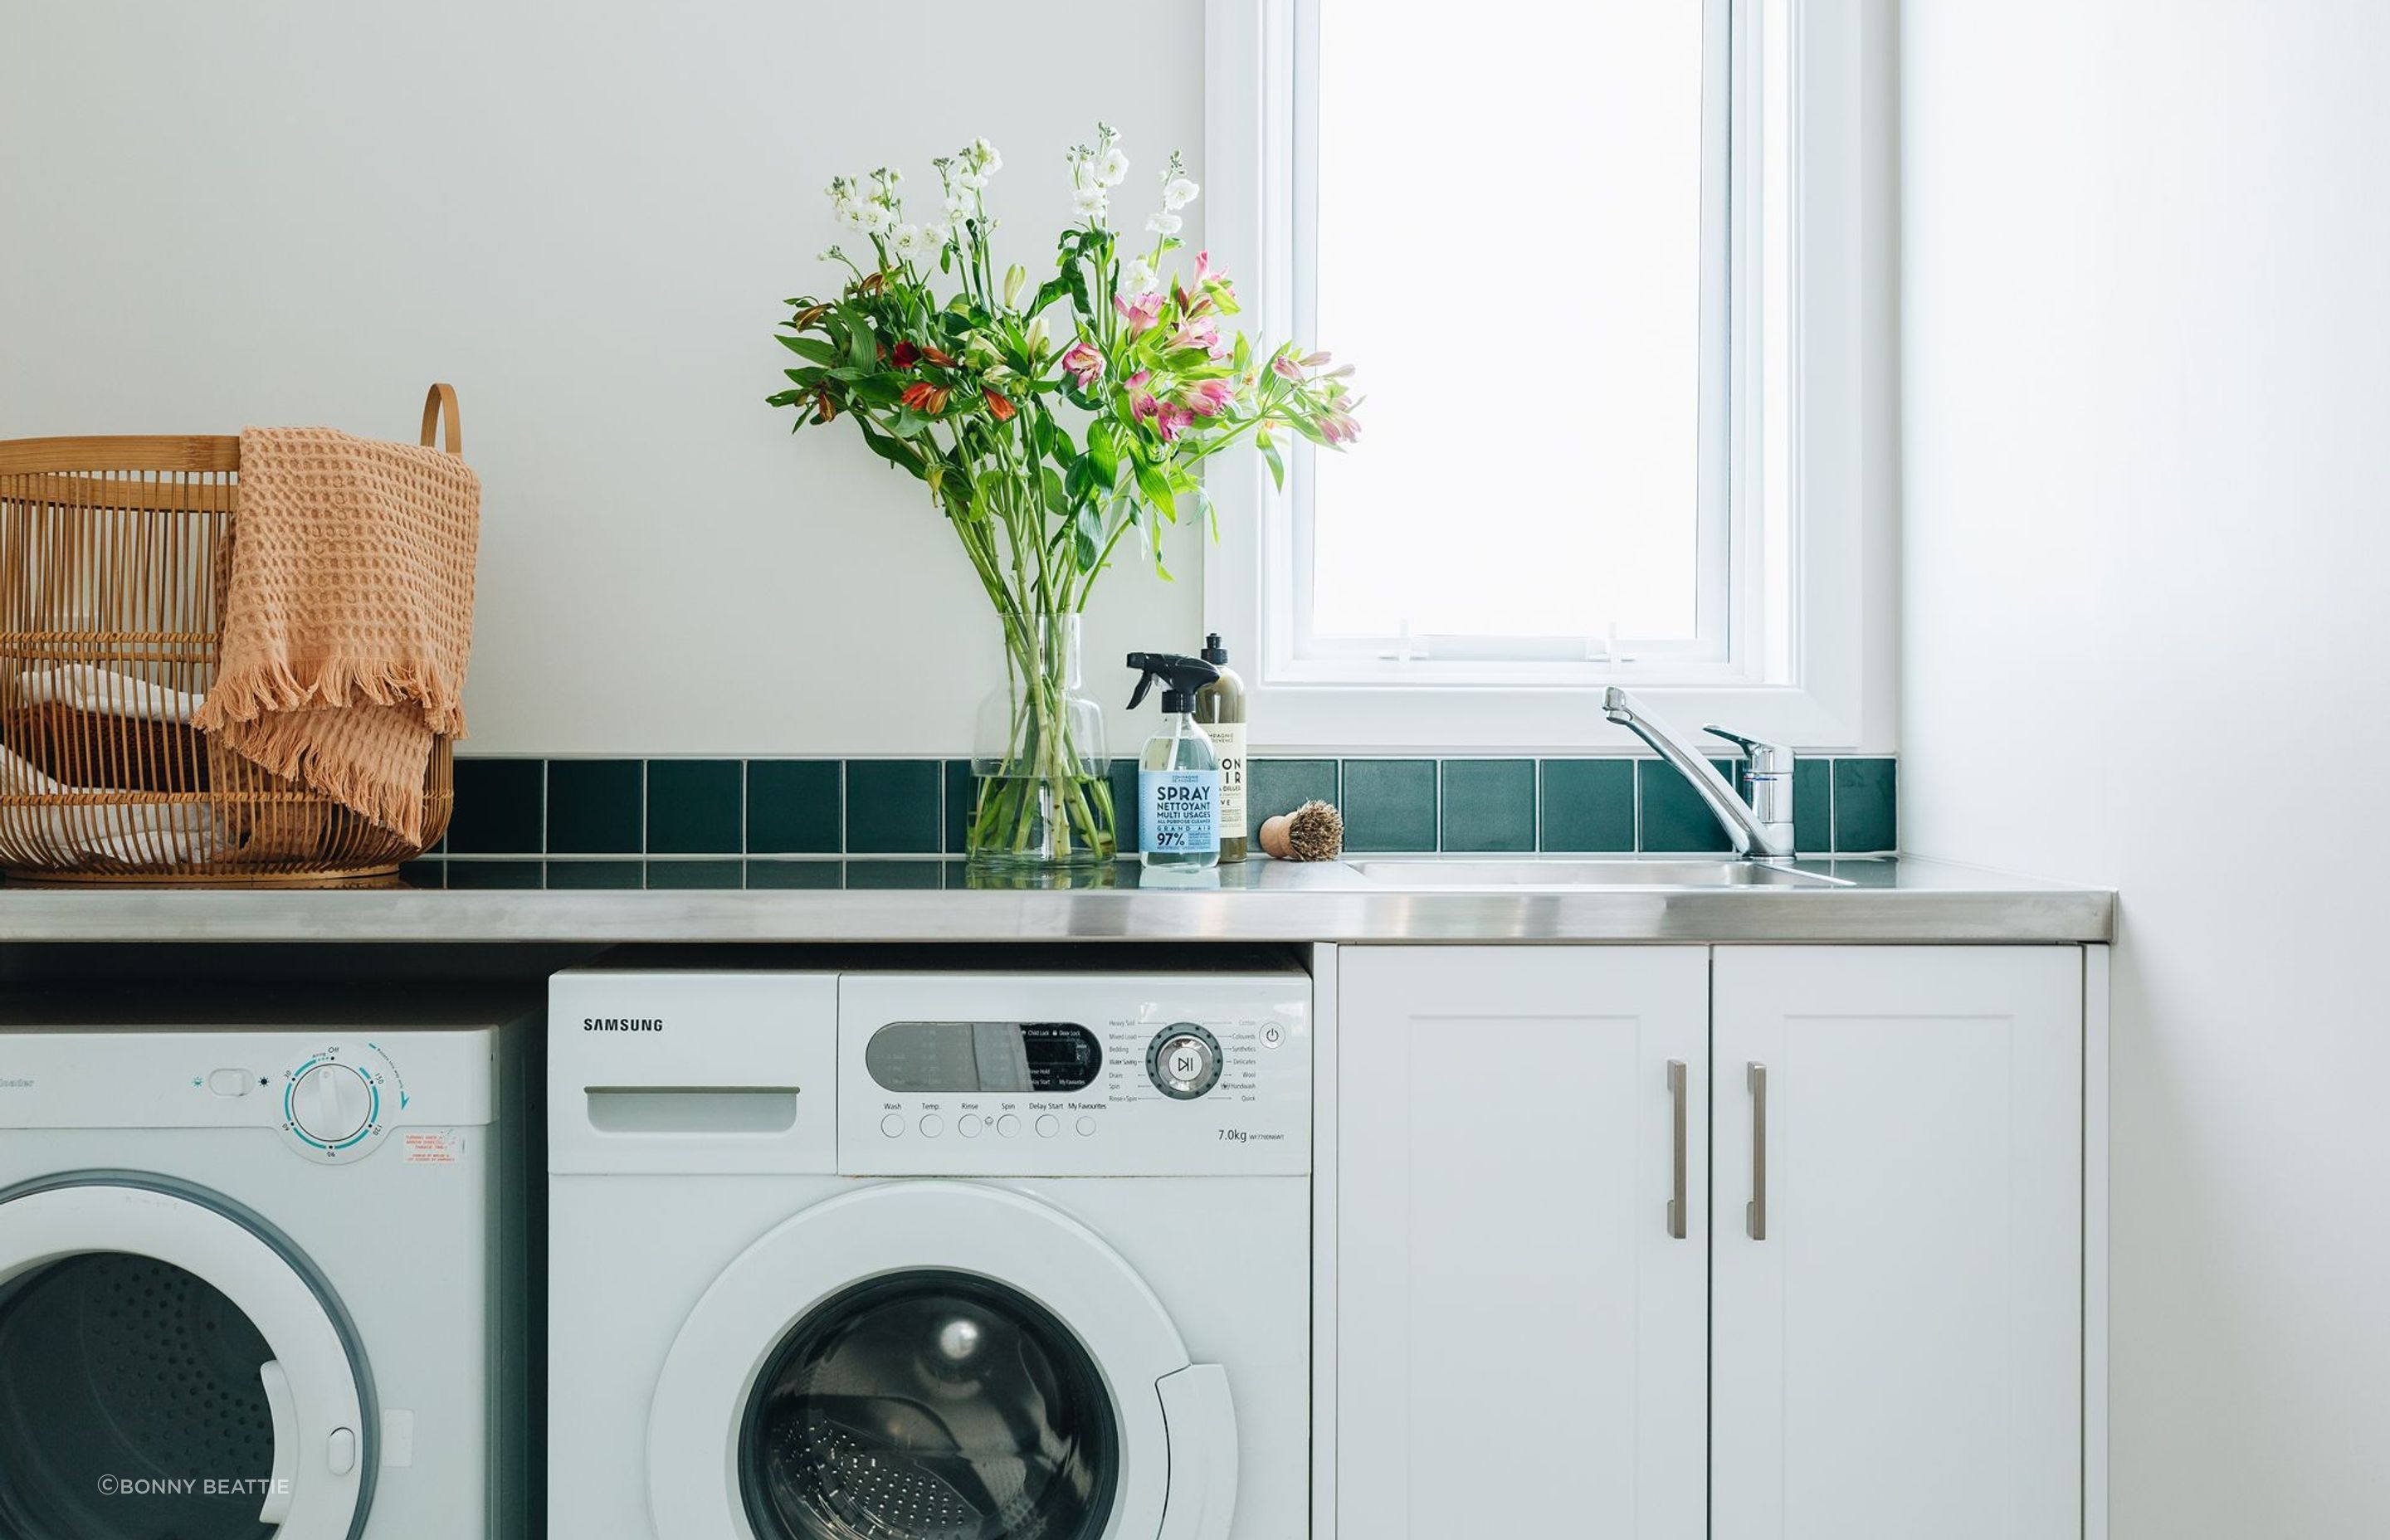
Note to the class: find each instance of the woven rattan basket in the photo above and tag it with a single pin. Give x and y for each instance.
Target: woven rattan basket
(113, 557)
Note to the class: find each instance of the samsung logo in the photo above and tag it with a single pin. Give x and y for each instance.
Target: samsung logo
(621, 1023)
(8, 1084)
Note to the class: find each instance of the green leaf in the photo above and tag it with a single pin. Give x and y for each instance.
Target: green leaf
(1277, 462)
(813, 349)
(862, 348)
(889, 449)
(1103, 452)
(1154, 483)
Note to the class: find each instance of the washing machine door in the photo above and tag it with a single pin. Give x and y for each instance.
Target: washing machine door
(936, 1361)
(172, 1368)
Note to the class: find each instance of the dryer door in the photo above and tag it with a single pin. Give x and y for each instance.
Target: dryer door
(170, 1366)
(936, 1361)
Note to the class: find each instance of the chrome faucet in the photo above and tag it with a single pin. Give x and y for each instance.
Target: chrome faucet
(1761, 828)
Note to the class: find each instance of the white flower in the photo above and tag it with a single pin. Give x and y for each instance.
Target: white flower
(1166, 225)
(869, 215)
(1111, 166)
(1091, 202)
(971, 179)
(1138, 278)
(1178, 193)
(982, 158)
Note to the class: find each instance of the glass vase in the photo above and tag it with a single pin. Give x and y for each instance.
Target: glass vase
(1043, 799)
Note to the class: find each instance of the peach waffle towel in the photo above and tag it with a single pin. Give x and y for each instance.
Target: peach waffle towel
(347, 615)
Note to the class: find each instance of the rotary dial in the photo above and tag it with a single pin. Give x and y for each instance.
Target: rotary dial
(1184, 1062)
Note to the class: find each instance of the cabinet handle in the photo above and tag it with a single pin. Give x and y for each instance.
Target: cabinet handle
(1676, 1189)
(1754, 1214)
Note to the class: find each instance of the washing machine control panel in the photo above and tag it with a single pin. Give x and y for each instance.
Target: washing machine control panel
(1074, 1074)
(339, 1101)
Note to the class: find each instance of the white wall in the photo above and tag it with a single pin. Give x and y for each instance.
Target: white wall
(2147, 528)
(289, 211)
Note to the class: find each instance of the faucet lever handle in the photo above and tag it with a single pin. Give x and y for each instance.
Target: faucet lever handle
(1764, 757)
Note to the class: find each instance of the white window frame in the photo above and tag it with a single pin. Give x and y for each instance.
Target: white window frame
(1812, 664)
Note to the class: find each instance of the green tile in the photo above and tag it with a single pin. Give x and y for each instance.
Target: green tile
(593, 806)
(795, 874)
(1390, 803)
(1812, 806)
(498, 807)
(961, 791)
(1282, 785)
(608, 875)
(696, 874)
(894, 874)
(1674, 817)
(695, 806)
(795, 807)
(424, 874)
(1866, 806)
(493, 873)
(1589, 805)
(1123, 781)
(1489, 805)
(892, 805)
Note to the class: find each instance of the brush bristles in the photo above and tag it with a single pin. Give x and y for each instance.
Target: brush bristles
(1315, 832)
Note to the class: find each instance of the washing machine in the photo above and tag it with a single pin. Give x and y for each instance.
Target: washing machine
(930, 1256)
(253, 1276)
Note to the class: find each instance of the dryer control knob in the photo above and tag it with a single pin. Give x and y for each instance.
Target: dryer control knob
(332, 1104)
(1184, 1062)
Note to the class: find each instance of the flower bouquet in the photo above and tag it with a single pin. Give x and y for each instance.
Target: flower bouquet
(1050, 422)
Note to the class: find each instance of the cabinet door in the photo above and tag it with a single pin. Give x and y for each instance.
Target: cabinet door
(1520, 1316)
(1898, 1259)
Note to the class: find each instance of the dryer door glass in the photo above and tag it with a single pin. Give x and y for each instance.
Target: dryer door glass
(132, 1405)
(928, 1406)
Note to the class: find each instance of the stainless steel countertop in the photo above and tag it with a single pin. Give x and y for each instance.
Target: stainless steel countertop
(1891, 900)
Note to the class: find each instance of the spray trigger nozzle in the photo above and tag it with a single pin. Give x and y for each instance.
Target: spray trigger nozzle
(1181, 677)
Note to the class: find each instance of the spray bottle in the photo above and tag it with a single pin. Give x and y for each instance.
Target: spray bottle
(1178, 776)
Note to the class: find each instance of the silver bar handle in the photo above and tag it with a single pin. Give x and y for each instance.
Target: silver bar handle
(1754, 1214)
(1676, 1190)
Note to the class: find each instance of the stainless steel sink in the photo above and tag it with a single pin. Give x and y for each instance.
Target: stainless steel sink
(1532, 874)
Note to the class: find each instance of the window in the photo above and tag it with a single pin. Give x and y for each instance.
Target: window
(1523, 268)
(1599, 268)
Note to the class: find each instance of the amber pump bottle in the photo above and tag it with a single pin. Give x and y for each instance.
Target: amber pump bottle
(1220, 711)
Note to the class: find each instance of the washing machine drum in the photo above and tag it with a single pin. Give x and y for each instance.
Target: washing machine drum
(132, 1405)
(928, 1406)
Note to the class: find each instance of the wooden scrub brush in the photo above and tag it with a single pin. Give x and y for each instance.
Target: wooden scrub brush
(1312, 832)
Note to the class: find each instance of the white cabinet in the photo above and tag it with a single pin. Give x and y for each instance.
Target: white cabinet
(1897, 1263)
(1521, 1318)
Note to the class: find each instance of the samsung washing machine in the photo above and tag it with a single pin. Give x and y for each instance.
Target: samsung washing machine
(928, 1256)
(253, 1280)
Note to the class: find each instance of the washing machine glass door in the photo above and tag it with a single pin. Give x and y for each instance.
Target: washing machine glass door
(936, 1361)
(171, 1369)
(928, 1406)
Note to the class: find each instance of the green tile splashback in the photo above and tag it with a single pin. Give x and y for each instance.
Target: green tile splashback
(595, 814)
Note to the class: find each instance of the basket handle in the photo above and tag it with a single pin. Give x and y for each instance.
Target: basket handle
(439, 410)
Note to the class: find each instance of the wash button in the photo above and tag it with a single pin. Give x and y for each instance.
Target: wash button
(1007, 1125)
(933, 1126)
(891, 1125)
(340, 1451)
(1048, 1125)
(969, 1126)
(228, 1083)
(1086, 1126)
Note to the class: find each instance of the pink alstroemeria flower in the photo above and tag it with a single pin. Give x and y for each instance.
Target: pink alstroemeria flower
(1286, 367)
(1202, 332)
(1084, 364)
(1173, 421)
(1143, 404)
(1208, 397)
(1339, 427)
(1142, 312)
